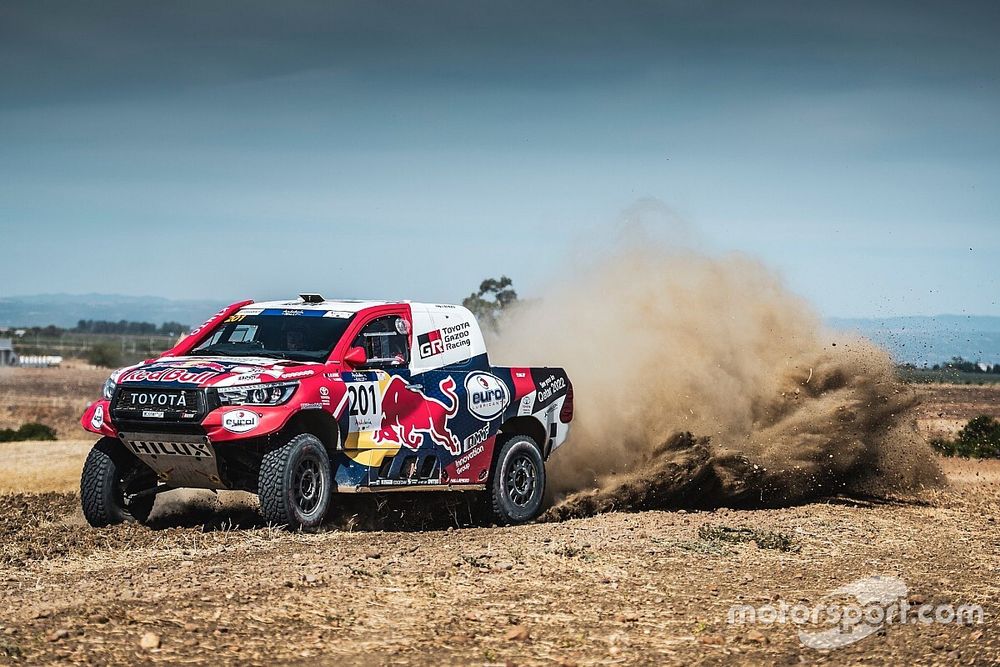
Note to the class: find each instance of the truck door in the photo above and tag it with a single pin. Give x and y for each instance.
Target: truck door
(451, 363)
(387, 414)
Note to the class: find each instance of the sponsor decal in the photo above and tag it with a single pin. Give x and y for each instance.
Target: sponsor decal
(526, 403)
(157, 399)
(430, 344)
(457, 336)
(464, 463)
(487, 394)
(249, 312)
(550, 386)
(323, 391)
(340, 314)
(238, 317)
(240, 421)
(195, 363)
(477, 438)
(313, 406)
(292, 313)
(442, 340)
(324, 396)
(152, 414)
(407, 413)
(97, 421)
(296, 374)
(196, 449)
(168, 375)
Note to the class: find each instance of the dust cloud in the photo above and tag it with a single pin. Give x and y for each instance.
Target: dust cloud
(703, 381)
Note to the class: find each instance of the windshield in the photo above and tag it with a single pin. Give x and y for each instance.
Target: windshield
(300, 335)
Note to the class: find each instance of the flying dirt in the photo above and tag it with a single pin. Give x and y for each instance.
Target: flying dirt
(702, 381)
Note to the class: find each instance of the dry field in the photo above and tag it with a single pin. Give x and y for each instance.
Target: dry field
(52, 396)
(945, 408)
(207, 584)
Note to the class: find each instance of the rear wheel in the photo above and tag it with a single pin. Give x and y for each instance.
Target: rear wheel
(518, 482)
(295, 483)
(115, 487)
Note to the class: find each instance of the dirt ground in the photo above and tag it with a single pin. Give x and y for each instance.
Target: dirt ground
(208, 584)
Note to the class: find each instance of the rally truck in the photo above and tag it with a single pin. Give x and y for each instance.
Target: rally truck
(300, 400)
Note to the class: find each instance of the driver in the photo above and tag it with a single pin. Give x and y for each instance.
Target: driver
(295, 337)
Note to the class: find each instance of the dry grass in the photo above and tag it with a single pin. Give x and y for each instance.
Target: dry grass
(53, 396)
(39, 466)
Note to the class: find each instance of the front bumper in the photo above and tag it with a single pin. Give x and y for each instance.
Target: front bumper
(218, 447)
(218, 423)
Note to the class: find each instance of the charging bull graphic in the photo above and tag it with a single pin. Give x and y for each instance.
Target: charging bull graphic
(406, 413)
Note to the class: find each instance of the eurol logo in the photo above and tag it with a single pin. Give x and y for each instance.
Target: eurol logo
(240, 421)
(488, 395)
(97, 421)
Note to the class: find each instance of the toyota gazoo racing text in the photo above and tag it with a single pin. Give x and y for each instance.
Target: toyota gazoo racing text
(298, 400)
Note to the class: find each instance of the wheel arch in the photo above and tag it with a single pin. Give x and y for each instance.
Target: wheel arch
(318, 423)
(523, 425)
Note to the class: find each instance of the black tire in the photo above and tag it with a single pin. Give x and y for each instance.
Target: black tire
(517, 487)
(110, 479)
(295, 483)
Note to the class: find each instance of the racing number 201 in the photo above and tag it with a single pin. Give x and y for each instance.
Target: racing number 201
(362, 399)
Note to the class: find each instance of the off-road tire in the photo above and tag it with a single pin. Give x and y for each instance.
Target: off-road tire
(515, 499)
(295, 483)
(108, 472)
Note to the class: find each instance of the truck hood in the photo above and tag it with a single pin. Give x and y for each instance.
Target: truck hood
(213, 371)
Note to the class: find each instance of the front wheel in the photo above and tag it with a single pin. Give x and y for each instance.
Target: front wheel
(115, 487)
(518, 482)
(295, 483)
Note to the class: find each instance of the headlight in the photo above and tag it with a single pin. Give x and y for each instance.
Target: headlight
(271, 393)
(108, 390)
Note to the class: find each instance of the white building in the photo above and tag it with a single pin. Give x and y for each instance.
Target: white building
(7, 355)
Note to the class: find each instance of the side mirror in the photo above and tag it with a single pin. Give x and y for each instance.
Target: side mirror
(356, 357)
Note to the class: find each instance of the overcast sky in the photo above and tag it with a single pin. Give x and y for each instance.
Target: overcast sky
(408, 150)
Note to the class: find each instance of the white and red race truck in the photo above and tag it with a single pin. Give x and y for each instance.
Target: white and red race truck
(298, 400)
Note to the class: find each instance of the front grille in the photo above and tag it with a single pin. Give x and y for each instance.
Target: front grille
(158, 405)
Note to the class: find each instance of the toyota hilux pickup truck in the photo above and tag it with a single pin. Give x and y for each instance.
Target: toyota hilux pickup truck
(300, 400)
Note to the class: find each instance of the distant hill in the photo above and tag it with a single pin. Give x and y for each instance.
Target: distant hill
(930, 340)
(65, 310)
(913, 339)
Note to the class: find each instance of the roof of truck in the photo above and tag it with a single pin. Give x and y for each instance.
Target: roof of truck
(340, 305)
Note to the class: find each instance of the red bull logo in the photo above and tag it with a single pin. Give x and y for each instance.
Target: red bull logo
(408, 413)
(201, 364)
(168, 375)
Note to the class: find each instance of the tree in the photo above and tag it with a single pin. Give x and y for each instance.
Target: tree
(979, 439)
(105, 354)
(29, 431)
(492, 299)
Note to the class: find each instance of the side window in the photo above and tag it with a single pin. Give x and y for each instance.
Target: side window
(386, 342)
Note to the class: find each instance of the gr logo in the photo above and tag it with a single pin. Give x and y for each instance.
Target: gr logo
(430, 343)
